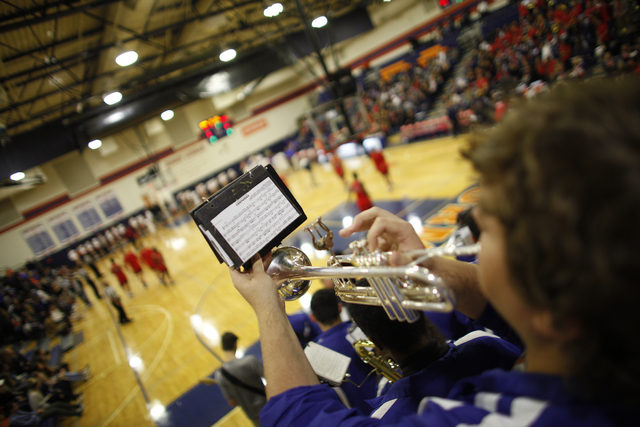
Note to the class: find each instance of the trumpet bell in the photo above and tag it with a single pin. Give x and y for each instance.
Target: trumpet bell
(285, 261)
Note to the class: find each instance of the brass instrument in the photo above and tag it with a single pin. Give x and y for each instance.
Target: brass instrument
(399, 290)
(388, 368)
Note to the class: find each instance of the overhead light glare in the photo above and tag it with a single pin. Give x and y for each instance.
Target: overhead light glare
(228, 55)
(135, 362)
(17, 176)
(319, 22)
(95, 144)
(157, 411)
(273, 10)
(167, 115)
(112, 98)
(126, 58)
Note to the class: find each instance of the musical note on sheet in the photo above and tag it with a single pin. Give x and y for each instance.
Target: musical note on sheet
(255, 219)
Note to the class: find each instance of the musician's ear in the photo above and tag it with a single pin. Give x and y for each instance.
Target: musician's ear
(543, 324)
(312, 317)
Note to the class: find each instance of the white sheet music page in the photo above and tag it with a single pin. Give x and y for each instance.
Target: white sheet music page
(255, 219)
(329, 365)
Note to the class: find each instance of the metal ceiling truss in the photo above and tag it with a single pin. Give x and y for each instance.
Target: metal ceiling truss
(82, 53)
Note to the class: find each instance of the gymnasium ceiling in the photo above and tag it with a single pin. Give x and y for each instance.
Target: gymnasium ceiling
(58, 56)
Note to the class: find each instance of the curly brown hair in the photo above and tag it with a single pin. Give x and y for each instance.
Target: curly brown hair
(566, 166)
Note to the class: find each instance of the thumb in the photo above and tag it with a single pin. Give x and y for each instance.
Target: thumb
(256, 264)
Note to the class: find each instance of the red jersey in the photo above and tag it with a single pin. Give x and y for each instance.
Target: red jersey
(378, 159)
(363, 201)
(337, 166)
(147, 256)
(117, 270)
(131, 260)
(501, 108)
(158, 261)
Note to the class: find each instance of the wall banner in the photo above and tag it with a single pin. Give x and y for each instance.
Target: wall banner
(64, 228)
(87, 215)
(38, 239)
(108, 202)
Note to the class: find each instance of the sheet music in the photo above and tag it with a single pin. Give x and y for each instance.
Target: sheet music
(255, 219)
(328, 364)
(215, 243)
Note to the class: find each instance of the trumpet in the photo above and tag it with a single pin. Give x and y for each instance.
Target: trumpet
(401, 291)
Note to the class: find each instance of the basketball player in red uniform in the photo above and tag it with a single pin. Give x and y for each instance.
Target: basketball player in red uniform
(131, 261)
(122, 278)
(362, 198)
(381, 165)
(160, 267)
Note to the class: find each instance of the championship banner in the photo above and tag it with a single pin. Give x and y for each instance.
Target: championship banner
(87, 215)
(64, 228)
(109, 204)
(38, 239)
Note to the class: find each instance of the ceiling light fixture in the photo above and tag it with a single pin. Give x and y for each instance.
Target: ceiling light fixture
(95, 144)
(319, 22)
(112, 98)
(228, 55)
(167, 115)
(126, 58)
(273, 10)
(17, 176)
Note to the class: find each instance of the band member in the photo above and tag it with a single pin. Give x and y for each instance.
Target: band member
(430, 367)
(335, 335)
(558, 267)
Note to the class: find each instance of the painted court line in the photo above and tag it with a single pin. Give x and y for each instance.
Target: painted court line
(114, 348)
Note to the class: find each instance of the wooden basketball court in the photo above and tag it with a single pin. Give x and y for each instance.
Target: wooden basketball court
(161, 341)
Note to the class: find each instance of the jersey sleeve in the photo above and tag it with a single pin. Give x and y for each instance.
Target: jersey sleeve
(492, 320)
(319, 406)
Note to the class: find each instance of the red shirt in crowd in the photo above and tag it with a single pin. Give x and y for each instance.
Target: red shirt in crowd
(565, 51)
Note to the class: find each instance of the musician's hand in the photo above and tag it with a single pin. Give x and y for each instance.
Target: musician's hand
(256, 287)
(386, 231)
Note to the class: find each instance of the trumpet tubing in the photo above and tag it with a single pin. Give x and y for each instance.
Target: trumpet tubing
(385, 367)
(401, 291)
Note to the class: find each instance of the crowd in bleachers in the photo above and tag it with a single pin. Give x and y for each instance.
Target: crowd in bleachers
(551, 42)
(38, 303)
(406, 97)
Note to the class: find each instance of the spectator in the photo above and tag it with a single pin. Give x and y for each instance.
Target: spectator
(240, 380)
